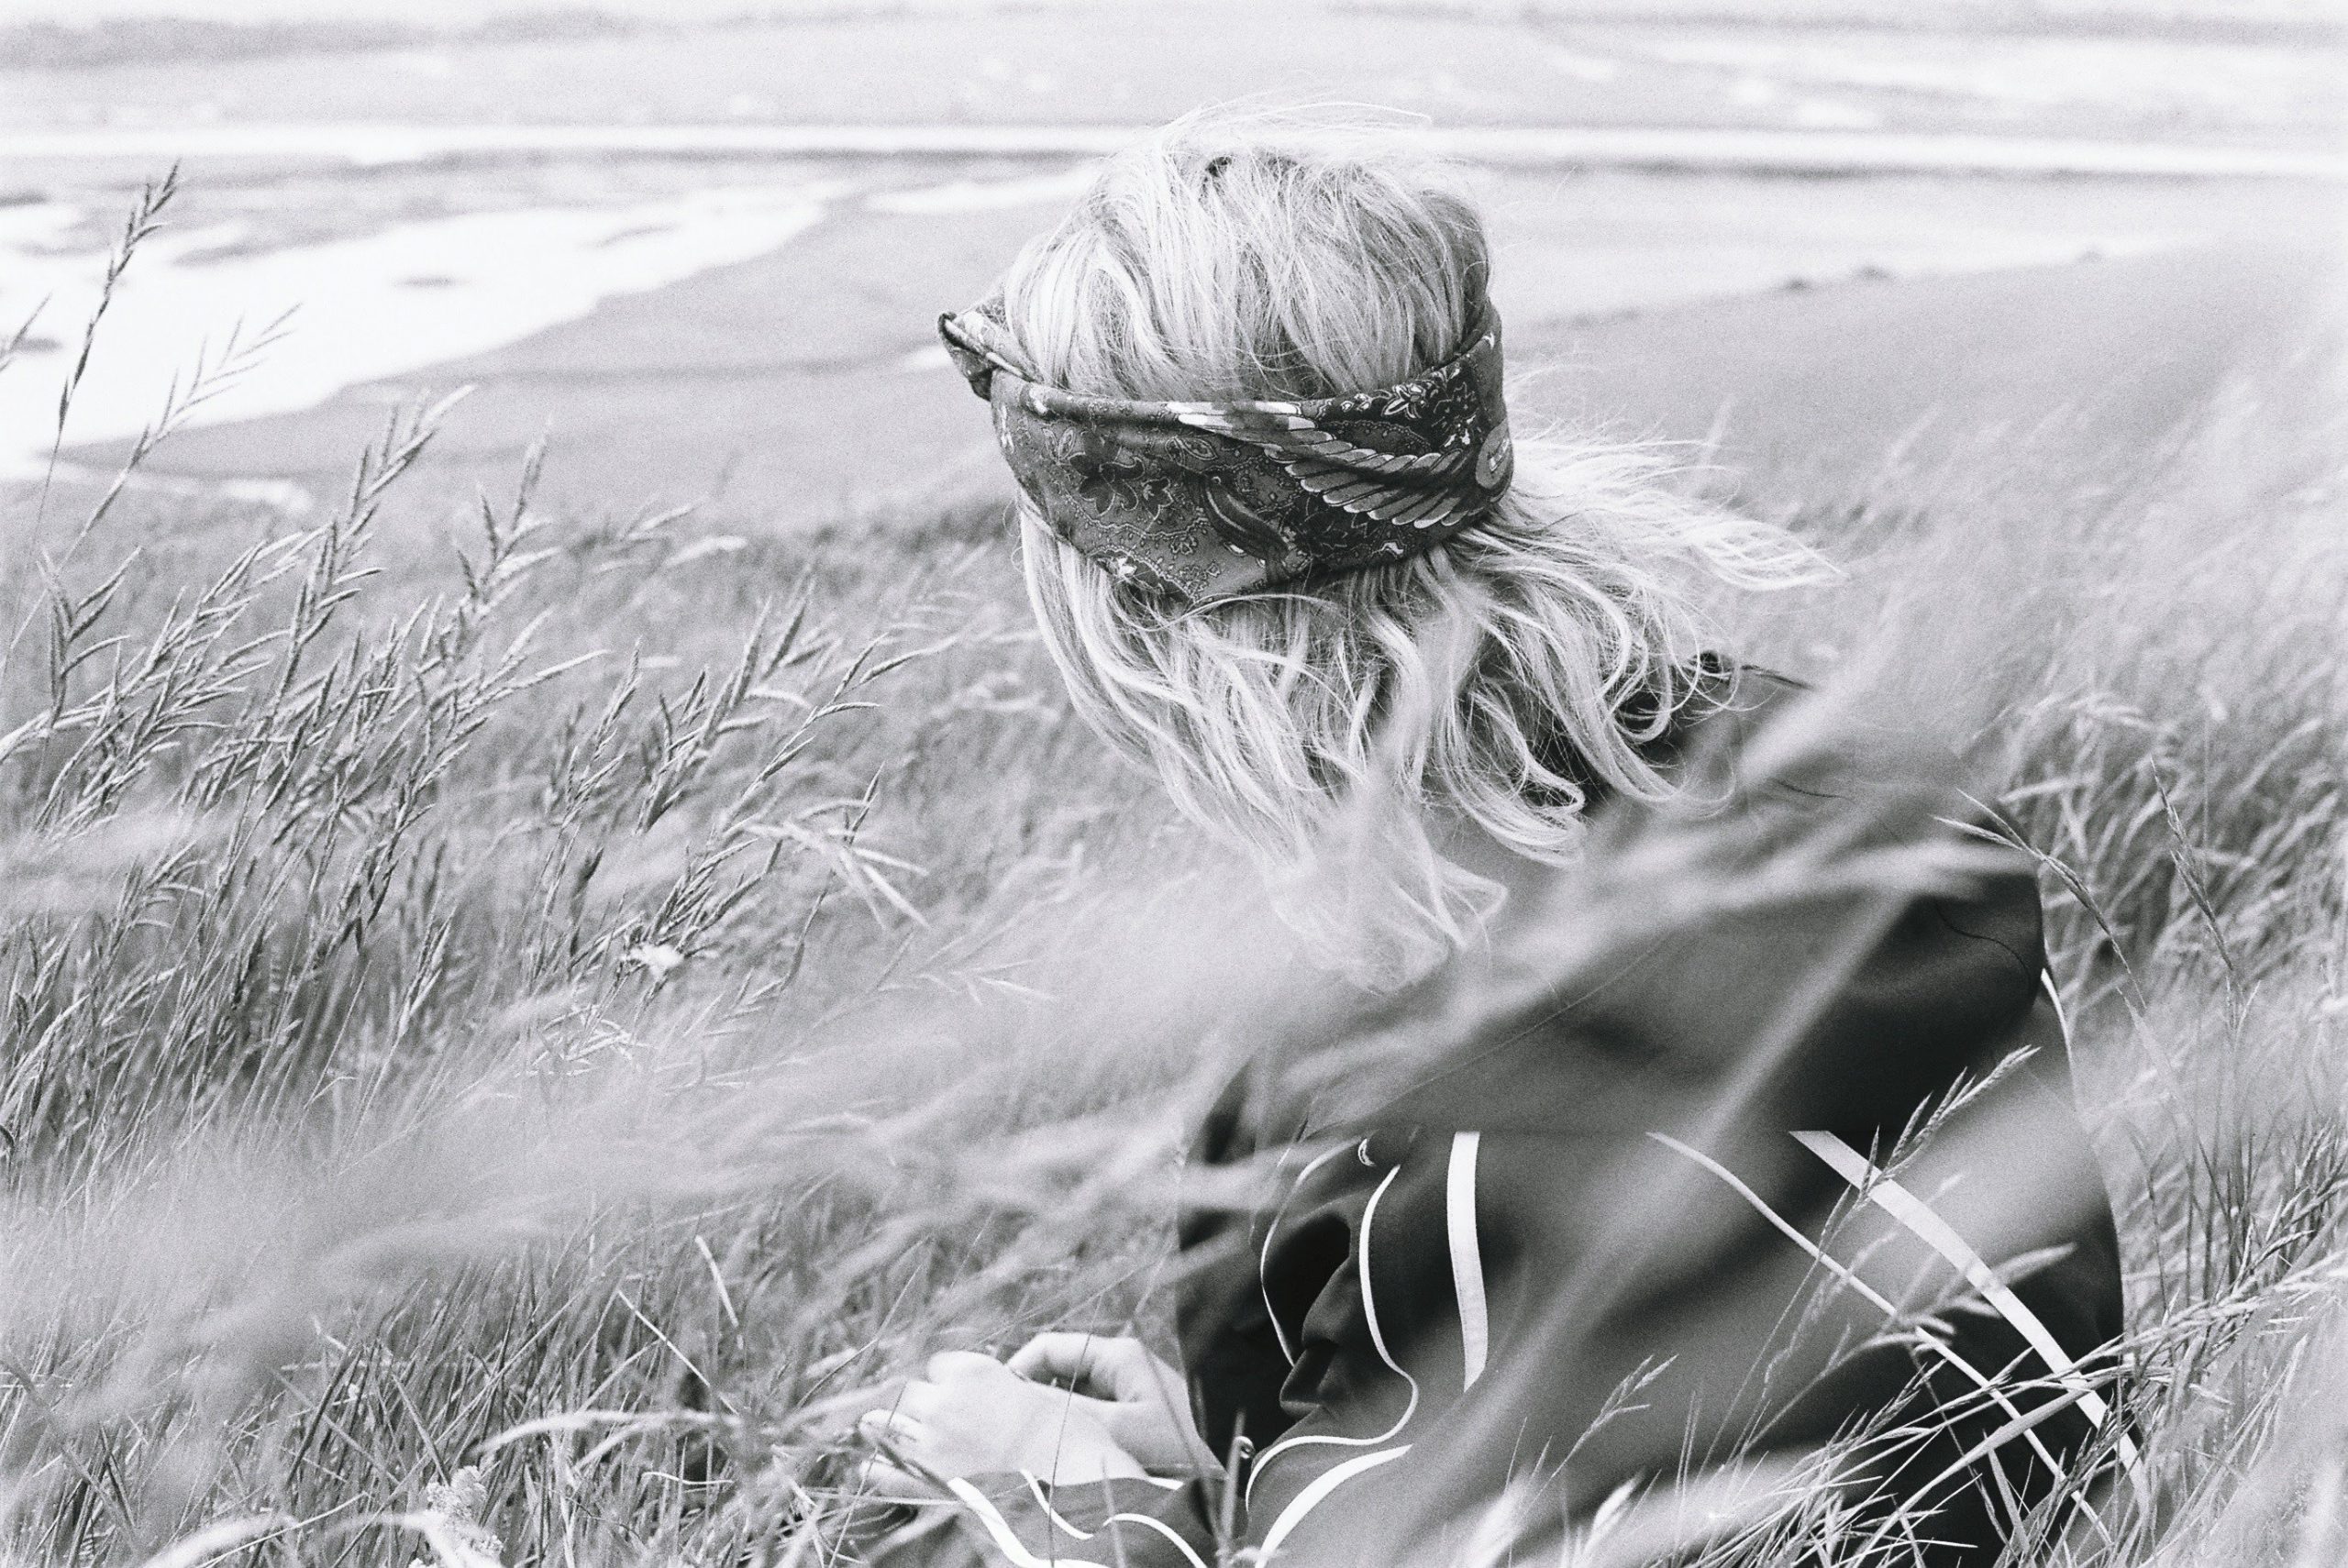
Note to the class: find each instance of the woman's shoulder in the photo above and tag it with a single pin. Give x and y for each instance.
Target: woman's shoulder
(1728, 702)
(1749, 735)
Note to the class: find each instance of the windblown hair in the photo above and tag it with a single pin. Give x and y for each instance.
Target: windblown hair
(1340, 731)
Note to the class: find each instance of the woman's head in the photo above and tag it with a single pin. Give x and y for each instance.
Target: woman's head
(1247, 258)
(1345, 729)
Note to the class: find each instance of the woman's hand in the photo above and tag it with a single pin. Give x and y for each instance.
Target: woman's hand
(1137, 1399)
(970, 1414)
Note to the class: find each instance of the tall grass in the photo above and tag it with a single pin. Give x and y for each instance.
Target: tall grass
(510, 1037)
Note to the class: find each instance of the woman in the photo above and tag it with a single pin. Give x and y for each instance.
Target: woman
(1570, 1244)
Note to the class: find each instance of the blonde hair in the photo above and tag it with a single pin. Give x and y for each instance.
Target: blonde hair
(1495, 682)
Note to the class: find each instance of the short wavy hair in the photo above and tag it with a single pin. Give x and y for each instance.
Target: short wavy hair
(1493, 685)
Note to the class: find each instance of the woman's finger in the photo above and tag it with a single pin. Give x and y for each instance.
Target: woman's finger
(877, 1477)
(1119, 1367)
(1052, 1357)
(1073, 1361)
(948, 1365)
(896, 1429)
(920, 1399)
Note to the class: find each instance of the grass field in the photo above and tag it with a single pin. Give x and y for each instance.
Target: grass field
(509, 1040)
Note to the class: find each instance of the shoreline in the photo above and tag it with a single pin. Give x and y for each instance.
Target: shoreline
(1814, 389)
(1648, 149)
(440, 285)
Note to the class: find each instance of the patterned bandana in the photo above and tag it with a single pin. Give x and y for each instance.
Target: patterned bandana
(1205, 500)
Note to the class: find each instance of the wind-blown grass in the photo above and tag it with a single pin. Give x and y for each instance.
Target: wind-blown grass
(508, 1040)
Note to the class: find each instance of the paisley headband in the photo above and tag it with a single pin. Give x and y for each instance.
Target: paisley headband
(1205, 499)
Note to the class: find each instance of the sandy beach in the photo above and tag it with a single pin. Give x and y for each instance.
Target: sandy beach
(1805, 238)
(802, 385)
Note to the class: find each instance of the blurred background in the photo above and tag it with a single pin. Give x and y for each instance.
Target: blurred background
(701, 243)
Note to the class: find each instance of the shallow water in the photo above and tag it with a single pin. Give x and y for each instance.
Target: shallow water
(400, 299)
(398, 279)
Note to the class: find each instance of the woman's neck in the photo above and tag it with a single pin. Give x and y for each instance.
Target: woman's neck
(1471, 846)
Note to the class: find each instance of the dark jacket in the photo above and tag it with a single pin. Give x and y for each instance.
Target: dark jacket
(1586, 1219)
